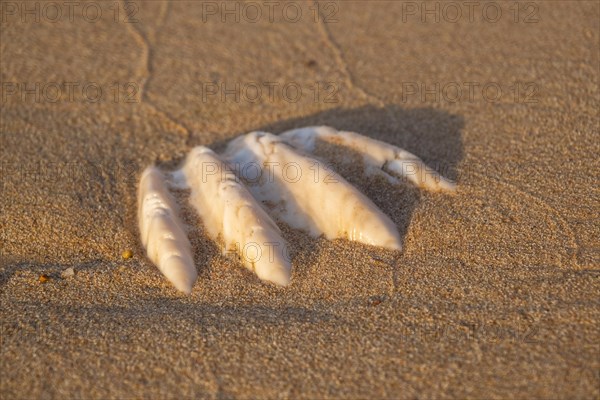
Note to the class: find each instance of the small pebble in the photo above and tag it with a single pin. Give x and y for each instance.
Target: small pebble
(375, 300)
(127, 254)
(67, 273)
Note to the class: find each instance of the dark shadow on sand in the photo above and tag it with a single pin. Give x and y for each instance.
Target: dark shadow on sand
(433, 135)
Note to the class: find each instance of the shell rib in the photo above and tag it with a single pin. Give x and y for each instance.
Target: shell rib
(162, 232)
(305, 199)
(376, 154)
(228, 210)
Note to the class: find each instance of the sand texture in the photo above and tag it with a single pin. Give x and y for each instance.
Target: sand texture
(495, 294)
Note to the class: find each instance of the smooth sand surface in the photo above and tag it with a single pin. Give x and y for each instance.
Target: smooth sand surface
(495, 294)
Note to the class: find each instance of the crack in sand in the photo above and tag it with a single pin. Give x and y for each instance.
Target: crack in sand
(148, 69)
(395, 265)
(343, 65)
